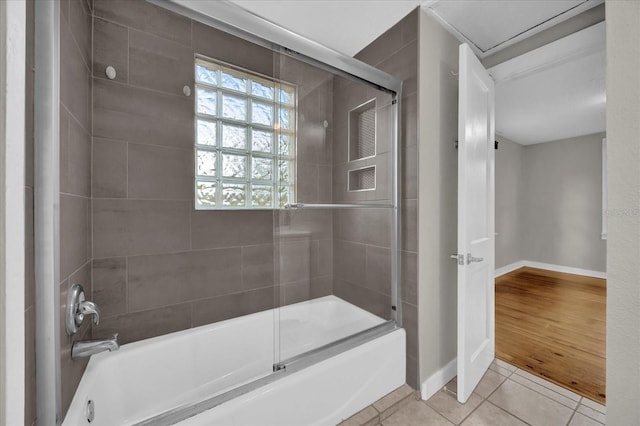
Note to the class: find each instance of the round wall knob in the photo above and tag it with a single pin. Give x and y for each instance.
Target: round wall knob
(186, 90)
(111, 72)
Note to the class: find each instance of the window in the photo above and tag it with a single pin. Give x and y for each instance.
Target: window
(245, 139)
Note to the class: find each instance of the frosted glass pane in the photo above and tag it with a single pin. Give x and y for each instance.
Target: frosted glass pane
(261, 141)
(286, 96)
(206, 163)
(234, 165)
(234, 194)
(285, 171)
(261, 90)
(262, 168)
(284, 196)
(232, 82)
(206, 193)
(207, 100)
(206, 75)
(234, 136)
(286, 119)
(285, 145)
(261, 195)
(206, 132)
(262, 113)
(234, 107)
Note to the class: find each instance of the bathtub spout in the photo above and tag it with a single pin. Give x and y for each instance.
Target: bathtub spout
(85, 348)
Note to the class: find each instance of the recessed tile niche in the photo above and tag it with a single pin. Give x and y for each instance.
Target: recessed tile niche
(363, 179)
(362, 144)
(362, 131)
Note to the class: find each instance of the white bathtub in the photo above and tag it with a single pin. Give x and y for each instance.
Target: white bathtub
(146, 378)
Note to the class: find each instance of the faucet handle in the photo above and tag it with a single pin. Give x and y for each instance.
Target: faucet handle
(77, 308)
(88, 308)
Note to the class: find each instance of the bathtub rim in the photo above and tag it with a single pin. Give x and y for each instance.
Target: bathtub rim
(288, 367)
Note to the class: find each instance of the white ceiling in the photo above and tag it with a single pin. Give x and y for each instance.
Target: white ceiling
(343, 25)
(491, 25)
(549, 99)
(554, 92)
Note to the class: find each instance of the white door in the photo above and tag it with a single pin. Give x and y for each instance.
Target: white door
(476, 339)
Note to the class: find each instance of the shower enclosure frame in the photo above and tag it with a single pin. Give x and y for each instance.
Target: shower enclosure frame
(235, 21)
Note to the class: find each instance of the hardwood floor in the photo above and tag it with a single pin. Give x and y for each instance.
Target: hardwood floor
(553, 325)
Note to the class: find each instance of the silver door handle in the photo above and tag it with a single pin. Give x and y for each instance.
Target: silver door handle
(471, 259)
(459, 258)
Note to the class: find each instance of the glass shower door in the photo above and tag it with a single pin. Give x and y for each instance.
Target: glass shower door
(335, 238)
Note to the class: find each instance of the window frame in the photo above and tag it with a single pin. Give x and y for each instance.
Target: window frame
(249, 127)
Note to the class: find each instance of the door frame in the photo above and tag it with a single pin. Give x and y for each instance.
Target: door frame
(12, 211)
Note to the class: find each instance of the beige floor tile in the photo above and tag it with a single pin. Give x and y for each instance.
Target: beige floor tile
(594, 405)
(501, 370)
(594, 414)
(558, 389)
(489, 382)
(393, 398)
(416, 413)
(447, 405)
(529, 405)
(582, 420)
(488, 414)
(545, 391)
(368, 417)
(500, 363)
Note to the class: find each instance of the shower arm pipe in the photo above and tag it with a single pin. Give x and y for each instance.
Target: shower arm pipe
(233, 19)
(295, 206)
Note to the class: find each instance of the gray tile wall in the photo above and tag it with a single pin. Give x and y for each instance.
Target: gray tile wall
(361, 238)
(75, 173)
(153, 263)
(158, 264)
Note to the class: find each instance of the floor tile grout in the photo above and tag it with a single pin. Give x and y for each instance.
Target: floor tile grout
(439, 409)
(580, 397)
(540, 393)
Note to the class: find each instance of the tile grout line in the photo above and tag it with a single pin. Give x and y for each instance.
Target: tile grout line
(573, 415)
(540, 393)
(506, 411)
(580, 397)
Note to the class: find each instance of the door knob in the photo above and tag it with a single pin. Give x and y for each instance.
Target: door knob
(471, 259)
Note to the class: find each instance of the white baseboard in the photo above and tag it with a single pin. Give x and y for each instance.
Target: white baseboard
(509, 268)
(438, 379)
(550, 267)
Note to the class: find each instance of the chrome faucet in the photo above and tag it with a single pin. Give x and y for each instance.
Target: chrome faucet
(85, 348)
(78, 308)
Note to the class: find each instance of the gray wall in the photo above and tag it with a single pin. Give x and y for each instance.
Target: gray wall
(396, 52)
(623, 220)
(437, 200)
(160, 265)
(510, 192)
(75, 175)
(563, 203)
(549, 203)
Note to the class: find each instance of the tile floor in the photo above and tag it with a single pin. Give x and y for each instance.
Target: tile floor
(506, 396)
